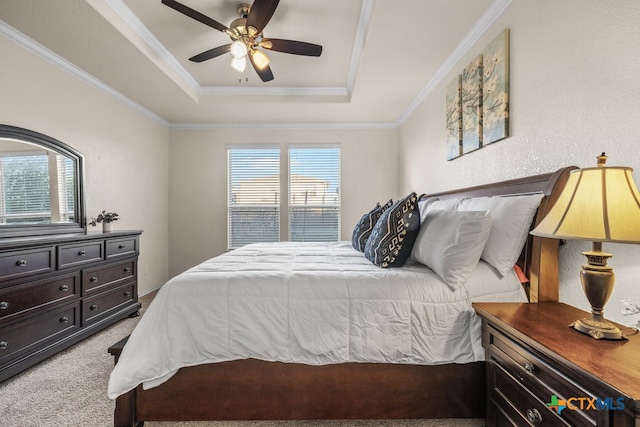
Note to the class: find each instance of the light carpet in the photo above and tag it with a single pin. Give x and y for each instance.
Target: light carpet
(70, 389)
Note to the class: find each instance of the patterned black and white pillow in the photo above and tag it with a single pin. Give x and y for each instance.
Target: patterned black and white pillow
(393, 236)
(363, 228)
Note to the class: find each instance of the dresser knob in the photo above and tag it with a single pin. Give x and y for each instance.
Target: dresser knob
(93, 307)
(127, 294)
(533, 415)
(64, 319)
(4, 305)
(3, 345)
(529, 368)
(82, 253)
(21, 263)
(121, 246)
(127, 270)
(94, 279)
(64, 288)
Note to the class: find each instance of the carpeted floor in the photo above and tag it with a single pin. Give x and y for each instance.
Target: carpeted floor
(69, 389)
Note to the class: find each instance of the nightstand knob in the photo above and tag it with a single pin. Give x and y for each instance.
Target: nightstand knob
(529, 368)
(4, 305)
(534, 416)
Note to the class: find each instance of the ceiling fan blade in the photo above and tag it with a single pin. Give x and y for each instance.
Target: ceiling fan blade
(261, 13)
(195, 15)
(211, 53)
(265, 74)
(293, 46)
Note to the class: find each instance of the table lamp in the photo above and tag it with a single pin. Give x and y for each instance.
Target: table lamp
(600, 204)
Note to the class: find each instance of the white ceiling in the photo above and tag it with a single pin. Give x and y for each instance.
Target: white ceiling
(379, 56)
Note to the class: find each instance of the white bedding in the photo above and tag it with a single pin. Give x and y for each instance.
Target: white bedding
(312, 303)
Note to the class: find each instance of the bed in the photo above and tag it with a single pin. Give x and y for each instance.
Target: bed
(332, 364)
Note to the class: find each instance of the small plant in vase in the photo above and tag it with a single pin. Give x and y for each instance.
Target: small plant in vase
(106, 218)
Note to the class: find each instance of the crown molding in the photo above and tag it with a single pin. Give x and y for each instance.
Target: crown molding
(282, 126)
(39, 50)
(481, 26)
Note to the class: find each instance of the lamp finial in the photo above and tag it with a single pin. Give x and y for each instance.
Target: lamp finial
(602, 159)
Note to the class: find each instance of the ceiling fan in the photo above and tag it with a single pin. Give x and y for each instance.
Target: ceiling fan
(247, 38)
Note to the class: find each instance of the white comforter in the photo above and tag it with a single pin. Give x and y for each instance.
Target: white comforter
(312, 303)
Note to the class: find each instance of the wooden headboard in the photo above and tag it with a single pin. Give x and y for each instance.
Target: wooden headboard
(539, 258)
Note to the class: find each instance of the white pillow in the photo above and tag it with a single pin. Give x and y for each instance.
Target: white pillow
(511, 218)
(450, 243)
(446, 204)
(423, 206)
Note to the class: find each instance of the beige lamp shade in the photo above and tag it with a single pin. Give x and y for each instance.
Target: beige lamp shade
(600, 204)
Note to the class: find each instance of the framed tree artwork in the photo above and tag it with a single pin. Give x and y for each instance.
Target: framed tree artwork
(471, 94)
(495, 89)
(454, 119)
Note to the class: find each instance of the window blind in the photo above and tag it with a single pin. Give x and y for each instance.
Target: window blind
(66, 188)
(25, 188)
(253, 195)
(314, 194)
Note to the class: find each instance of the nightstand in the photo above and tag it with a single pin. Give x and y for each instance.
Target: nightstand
(542, 372)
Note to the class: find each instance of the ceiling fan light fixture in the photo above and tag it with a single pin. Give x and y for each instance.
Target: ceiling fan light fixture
(238, 49)
(239, 64)
(260, 59)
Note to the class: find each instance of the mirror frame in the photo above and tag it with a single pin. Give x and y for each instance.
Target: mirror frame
(49, 143)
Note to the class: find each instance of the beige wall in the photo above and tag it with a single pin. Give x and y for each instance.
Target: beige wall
(198, 192)
(126, 153)
(574, 93)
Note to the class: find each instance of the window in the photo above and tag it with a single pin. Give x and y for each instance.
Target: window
(254, 195)
(314, 194)
(255, 181)
(25, 188)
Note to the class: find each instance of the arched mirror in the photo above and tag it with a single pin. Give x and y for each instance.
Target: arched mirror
(41, 185)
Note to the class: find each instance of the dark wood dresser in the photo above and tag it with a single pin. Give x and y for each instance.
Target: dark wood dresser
(537, 365)
(58, 290)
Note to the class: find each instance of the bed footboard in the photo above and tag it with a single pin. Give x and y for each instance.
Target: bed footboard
(258, 390)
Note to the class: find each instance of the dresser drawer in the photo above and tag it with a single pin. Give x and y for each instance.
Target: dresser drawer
(97, 307)
(96, 280)
(80, 254)
(122, 247)
(18, 264)
(35, 332)
(529, 373)
(20, 299)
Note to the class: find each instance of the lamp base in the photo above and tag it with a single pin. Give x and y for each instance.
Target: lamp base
(598, 328)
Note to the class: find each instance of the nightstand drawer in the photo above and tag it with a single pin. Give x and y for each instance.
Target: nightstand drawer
(519, 405)
(540, 380)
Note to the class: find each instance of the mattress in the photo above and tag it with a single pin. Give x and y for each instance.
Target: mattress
(311, 303)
